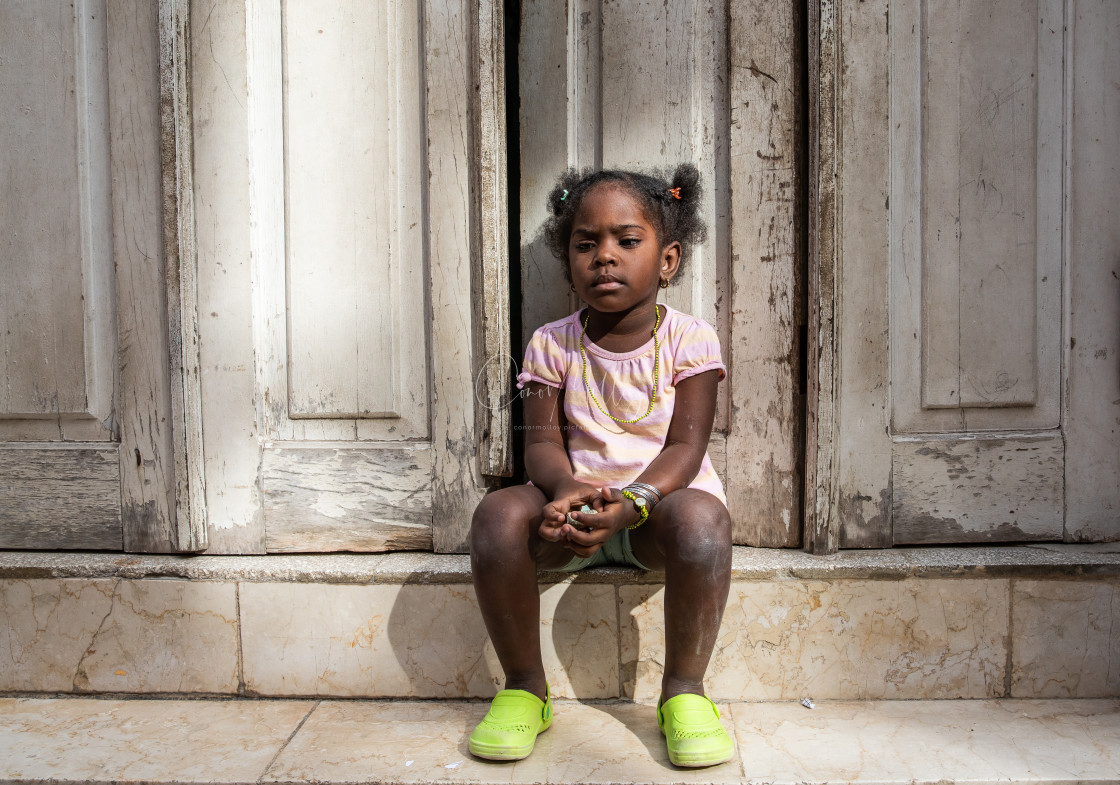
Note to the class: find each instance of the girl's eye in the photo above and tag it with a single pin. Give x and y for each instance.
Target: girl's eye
(629, 242)
(584, 247)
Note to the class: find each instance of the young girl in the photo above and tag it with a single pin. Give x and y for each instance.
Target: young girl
(619, 402)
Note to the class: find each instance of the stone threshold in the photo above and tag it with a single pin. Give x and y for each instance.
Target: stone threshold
(1039, 560)
(235, 742)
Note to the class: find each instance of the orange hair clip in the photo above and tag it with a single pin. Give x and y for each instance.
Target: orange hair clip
(676, 192)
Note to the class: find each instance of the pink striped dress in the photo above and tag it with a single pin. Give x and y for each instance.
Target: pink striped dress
(602, 451)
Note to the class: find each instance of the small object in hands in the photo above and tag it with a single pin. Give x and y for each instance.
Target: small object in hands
(582, 525)
(808, 703)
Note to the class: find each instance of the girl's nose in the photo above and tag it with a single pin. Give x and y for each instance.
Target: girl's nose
(606, 256)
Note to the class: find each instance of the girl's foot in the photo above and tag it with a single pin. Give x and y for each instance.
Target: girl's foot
(509, 730)
(693, 733)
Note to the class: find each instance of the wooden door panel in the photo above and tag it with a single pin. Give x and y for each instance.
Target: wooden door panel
(57, 331)
(60, 497)
(339, 304)
(86, 416)
(978, 489)
(59, 462)
(943, 129)
(336, 265)
(342, 498)
(1092, 414)
(976, 261)
(353, 291)
(977, 203)
(352, 338)
(352, 161)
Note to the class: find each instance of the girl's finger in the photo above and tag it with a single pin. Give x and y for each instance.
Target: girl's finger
(555, 511)
(598, 501)
(584, 539)
(550, 532)
(612, 495)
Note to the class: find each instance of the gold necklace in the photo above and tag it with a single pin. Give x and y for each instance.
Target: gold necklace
(656, 368)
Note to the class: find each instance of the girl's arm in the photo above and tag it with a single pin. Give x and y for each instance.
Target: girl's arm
(694, 411)
(546, 458)
(675, 466)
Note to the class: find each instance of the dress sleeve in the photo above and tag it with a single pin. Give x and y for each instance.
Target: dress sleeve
(544, 361)
(698, 351)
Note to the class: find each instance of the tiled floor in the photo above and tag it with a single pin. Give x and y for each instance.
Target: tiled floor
(286, 741)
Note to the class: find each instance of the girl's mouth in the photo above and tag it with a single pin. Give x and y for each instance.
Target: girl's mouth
(606, 284)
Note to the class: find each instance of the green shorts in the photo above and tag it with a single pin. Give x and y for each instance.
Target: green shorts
(616, 550)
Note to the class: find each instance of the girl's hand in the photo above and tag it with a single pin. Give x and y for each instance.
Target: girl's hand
(571, 495)
(616, 513)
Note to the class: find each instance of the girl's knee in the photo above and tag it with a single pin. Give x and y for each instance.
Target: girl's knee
(698, 527)
(500, 521)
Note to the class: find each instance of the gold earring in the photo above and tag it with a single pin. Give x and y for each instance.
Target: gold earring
(664, 283)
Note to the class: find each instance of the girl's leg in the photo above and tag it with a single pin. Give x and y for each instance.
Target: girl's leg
(689, 536)
(505, 555)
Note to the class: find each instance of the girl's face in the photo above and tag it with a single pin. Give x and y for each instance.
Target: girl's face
(614, 254)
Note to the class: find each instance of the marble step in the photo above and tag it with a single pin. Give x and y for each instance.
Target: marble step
(902, 624)
(235, 741)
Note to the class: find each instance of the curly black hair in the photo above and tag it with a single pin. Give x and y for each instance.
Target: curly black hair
(674, 218)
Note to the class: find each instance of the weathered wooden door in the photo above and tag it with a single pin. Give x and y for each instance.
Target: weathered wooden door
(88, 428)
(649, 85)
(954, 243)
(350, 276)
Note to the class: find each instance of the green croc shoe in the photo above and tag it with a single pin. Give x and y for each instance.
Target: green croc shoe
(509, 730)
(693, 732)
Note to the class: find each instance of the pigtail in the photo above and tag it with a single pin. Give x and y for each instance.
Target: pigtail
(561, 203)
(560, 198)
(682, 208)
(685, 181)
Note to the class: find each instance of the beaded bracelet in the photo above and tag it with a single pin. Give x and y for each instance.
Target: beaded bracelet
(641, 504)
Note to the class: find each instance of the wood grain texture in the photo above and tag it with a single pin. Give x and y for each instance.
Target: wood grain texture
(662, 73)
(189, 531)
(863, 448)
(147, 465)
(997, 179)
(457, 484)
(978, 490)
(343, 498)
(64, 427)
(821, 521)
(60, 498)
(559, 108)
(764, 485)
(229, 287)
(41, 265)
(1092, 422)
(493, 377)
